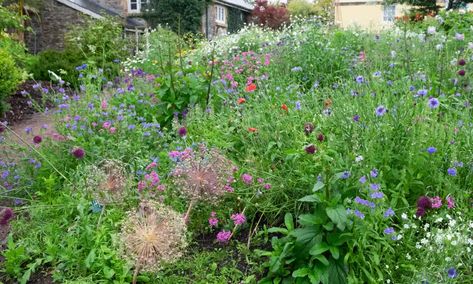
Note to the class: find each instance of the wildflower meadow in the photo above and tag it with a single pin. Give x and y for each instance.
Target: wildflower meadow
(308, 154)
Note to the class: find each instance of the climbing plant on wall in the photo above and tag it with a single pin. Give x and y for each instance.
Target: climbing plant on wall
(179, 15)
(236, 20)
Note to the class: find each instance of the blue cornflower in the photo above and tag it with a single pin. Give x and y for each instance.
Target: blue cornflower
(431, 150)
(359, 214)
(360, 79)
(374, 173)
(452, 273)
(389, 230)
(131, 127)
(375, 186)
(356, 118)
(298, 105)
(389, 213)
(362, 179)
(345, 175)
(380, 110)
(452, 171)
(422, 92)
(5, 174)
(433, 103)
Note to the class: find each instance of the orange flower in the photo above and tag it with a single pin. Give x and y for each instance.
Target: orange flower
(284, 107)
(327, 103)
(252, 129)
(250, 88)
(241, 101)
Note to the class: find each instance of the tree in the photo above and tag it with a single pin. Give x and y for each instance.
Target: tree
(429, 6)
(272, 16)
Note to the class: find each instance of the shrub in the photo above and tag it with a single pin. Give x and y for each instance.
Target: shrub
(62, 63)
(271, 16)
(10, 77)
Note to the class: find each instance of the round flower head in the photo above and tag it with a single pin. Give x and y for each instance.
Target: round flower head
(381, 110)
(2, 128)
(5, 216)
(424, 202)
(452, 273)
(461, 62)
(431, 150)
(461, 72)
(107, 181)
(203, 174)
(78, 153)
(433, 103)
(153, 235)
(308, 128)
(37, 139)
(420, 212)
(311, 149)
(182, 131)
(321, 137)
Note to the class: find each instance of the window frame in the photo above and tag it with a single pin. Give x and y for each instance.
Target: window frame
(139, 5)
(389, 13)
(220, 11)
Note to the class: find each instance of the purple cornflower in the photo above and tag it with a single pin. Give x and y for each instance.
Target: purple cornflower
(37, 139)
(246, 178)
(431, 150)
(377, 195)
(5, 174)
(182, 131)
(224, 236)
(362, 179)
(345, 175)
(374, 173)
(267, 186)
(452, 172)
(131, 127)
(461, 72)
(311, 149)
(388, 213)
(238, 218)
(433, 103)
(452, 273)
(380, 110)
(389, 230)
(359, 214)
(356, 118)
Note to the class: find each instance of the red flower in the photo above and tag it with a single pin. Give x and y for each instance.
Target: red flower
(284, 107)
(252, 129)
(241, 101)
(37, 139)
(250, 88)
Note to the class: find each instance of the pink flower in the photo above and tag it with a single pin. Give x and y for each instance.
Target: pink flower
(267, 186)
(141, 185)
(228, 188)
(224, 236)
(436, 202)
(260, 180)
(94, 124)
(238, 218)
(113, 130)
(161, 187)
(106, 124)
(213, 220)
(248, 179)
(104, 105)
(450, 202)
(150, 166)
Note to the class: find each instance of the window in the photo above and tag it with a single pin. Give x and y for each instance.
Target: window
(389, 12)
(220, 14)
(136, 6)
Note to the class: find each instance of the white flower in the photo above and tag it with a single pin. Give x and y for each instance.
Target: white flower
(431, 30)
(426, 226)
(439, 46)
(438, 220)
(404, 216)
(452, 223)
(406, 226)
(359, 158)
(454, 243)
(424, 241)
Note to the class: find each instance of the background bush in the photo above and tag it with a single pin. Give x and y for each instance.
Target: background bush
(10, 77)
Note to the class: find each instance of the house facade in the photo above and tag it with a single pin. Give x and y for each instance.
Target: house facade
(225, 16)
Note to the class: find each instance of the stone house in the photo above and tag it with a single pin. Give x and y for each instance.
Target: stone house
(54, 17)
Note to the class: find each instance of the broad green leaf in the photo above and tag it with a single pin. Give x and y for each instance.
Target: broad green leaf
(278, 230)
(319, 248)
(90, 258)
(335, 252)
(288, 221)
(318, 186)
(338, 215)
(322, 259)
(301, 272)
(310, 198)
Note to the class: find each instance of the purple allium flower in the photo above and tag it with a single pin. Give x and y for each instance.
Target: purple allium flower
(431, 150)
(452, 273)
(461, 62)
(377, 195)
(321, 137)
(79, 153)
(420, 212)
(433, 103)
(389, 231)
(182, 131)
(359, 214)
(388, 213)
(424, 202)
(362, 179)
(461, 72)
(224, 236)
(2, 128)
(380, 110)
(311, 149)
(452, 171)
(356, 118)
(238, 218)
(37, 139)
(6, 216)
(247, 178)
(374, 173)
(345, 175)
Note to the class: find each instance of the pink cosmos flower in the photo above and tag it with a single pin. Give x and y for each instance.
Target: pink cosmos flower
(450, 202)
(436, 202)
(238, 218)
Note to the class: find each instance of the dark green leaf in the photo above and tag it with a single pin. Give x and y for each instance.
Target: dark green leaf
(319, 248)
(338, 215)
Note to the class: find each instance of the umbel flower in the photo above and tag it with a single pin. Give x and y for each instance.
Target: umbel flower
(152, 235)
(107, 181)
(203, 174)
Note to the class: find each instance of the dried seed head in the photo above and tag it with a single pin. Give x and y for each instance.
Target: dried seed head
(152, 235)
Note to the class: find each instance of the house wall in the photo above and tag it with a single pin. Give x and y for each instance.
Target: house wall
(120, 6)
(366, 15)
(51, 27)
(213, 27)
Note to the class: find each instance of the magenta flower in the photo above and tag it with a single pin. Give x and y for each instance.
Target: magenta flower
(424, 202)
(436, 202)
(267, 186)
(311, 149)
(141, 185)
(5, 216)
(112, 130)
(224, 236)
(104, 105)
(78, 153)
(106, 124)
(238, 218)
(213, 220)
(37, 139)
(182, 131)
(248, 179)
(450, 202)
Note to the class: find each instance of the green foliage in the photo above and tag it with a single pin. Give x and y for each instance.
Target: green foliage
(181, 16)
(63, 63)
(10, 77)
(236, 20)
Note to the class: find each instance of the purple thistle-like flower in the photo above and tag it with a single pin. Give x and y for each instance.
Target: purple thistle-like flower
(433, 103)
(374, 173)
(182, 131)
(388, 213)
(311, 149)
(461, 72)
(345, 175)
(224, 236)
(247, 178)
(362, 179)
(359, 79)
(356, 118)
(238, 218)
(37, 139)
(461, 62)
(381, 110)
(424, 202)
(79, 153)
(422, 92)
(6, 216)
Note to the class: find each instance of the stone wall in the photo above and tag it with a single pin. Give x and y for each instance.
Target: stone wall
(50, 28)
(120, 6)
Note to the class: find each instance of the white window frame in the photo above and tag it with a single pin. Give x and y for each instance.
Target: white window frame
(220, 14)
(389, 13)
(139, 4)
